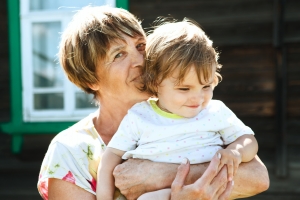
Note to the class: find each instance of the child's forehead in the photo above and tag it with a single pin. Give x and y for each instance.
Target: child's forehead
(190, 76)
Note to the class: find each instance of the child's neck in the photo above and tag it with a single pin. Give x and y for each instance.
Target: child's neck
(162, 108)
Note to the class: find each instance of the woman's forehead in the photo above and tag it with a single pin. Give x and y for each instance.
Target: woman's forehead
(124, 40)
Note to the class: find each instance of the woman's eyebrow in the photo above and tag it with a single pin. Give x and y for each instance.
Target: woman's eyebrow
(141, 39)
(115, 49)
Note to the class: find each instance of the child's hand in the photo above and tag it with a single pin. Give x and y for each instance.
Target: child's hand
(231, 158)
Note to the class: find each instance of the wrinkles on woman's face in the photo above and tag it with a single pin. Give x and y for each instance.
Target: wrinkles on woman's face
(121, 71)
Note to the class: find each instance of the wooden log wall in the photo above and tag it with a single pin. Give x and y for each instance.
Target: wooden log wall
(4, 65)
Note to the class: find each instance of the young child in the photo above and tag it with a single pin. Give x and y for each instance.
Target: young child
(183, 122)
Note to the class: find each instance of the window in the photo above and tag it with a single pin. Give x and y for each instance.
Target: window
(47, 94)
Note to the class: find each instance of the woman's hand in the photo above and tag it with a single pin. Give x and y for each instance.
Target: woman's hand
(212, 185)
(136, 177)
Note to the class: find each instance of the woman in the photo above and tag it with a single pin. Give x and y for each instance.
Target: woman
(102, 52)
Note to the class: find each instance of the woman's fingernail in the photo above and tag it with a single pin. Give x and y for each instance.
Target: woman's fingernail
(232, 182)
(219, 155)
(184, 161)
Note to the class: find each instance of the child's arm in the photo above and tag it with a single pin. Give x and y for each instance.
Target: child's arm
(246, 145)
(243, 149)
(105, 180)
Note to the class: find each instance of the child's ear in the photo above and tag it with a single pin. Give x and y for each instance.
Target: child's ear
(156, 92)
(94, 86)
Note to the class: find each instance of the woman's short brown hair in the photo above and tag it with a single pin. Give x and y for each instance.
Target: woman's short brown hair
(178, 45)
(87, 39)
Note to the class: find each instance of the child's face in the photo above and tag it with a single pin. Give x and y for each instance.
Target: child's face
(186, 99)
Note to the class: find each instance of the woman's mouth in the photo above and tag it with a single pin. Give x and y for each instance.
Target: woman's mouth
(137, 79)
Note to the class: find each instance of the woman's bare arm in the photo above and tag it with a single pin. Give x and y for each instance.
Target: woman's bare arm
(135, 177)
(63, 190)
(252, 178)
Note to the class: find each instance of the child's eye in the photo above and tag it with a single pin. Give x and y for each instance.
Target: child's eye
(207, 86)
(184, 89)
(141, 47)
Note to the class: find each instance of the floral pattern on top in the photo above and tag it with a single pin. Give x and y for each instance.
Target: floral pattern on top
(73, 156)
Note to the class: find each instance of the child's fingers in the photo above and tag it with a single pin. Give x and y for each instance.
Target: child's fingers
(236, 166)
(230, 169)
(221, 164)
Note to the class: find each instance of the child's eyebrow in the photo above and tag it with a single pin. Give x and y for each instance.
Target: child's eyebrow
(211, 82)
(188, 85)
(208, 83)
(183, 85)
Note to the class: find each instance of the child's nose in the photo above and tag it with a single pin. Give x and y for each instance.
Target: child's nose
(197, 97)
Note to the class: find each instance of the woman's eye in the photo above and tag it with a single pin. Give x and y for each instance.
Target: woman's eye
(119, 55)
(141, 47)
(207, 86)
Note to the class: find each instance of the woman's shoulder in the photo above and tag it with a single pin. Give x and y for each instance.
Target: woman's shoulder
(73, 155)
(141, 106)
(143, 103)
(82, 132)
(215, 104)
(218, 107)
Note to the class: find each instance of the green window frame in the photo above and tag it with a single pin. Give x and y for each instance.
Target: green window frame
(16, 127)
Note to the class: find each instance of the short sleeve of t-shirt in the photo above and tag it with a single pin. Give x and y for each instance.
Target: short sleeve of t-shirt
(232, 127)
(127, 135)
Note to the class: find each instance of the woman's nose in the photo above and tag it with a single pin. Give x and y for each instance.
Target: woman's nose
(138, 59)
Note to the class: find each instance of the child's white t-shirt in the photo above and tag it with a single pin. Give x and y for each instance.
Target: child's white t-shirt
(147, 132)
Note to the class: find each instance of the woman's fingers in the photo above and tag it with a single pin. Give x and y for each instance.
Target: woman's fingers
(211, 171)
(226, 194)
(182, 172)
(212, 184)
(220, 179)
(221, 185)
(221, 190)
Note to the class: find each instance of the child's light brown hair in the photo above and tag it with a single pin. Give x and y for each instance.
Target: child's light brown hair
(87, 39)
(179, 45)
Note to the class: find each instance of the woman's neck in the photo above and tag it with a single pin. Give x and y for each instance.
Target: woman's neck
(109, 118)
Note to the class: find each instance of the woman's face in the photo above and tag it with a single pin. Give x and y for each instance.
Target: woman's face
(120, 73)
